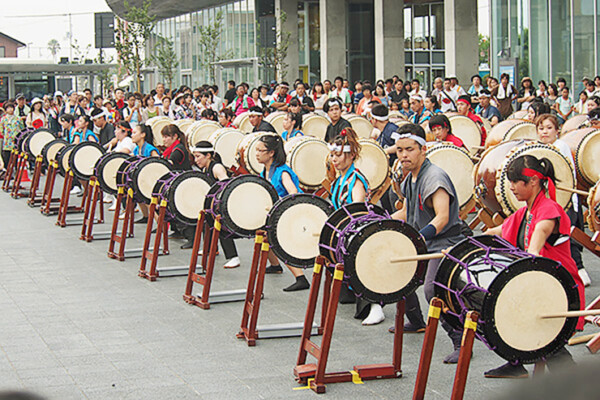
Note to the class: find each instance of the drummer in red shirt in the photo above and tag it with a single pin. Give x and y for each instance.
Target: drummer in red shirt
(541, 228)
(464, 107)
(442, 130)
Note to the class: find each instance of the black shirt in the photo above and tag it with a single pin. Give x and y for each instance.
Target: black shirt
(180, 158)
(306, 100)
(106, 134)
(264, 126)
(397, 97)
(230, 95)
(334, 130)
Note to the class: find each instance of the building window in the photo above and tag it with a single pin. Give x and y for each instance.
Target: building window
(2, 52)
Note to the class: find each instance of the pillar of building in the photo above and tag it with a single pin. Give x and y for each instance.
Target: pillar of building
(389, 38)
(462, 40)
(333, 19)
(285, 26)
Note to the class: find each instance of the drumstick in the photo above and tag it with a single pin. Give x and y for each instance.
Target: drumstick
(570, 314)
(418, 257)
(478, 147)
(581, 339)
(568, 189)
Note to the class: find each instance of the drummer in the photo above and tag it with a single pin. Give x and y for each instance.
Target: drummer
(177, 150)
(463, 105)
(292, 123)
(431, 206)
(226, 117)
(83, 133)
(122, 142)
(349, 187)
(594, 118)
(547, 131)
(541, 228)
(333, 108)
(270, 153)
(210, 164)
(67, 122)
(421, 116)
(486, 109)
(144, 141)
(255, 115)
(442, 130)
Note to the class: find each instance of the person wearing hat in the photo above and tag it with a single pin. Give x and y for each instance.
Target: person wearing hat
(21, 109)
(282, 100)
(255, 115)
(333, 108)
(463, 105)
(421, 116)
(486, 109)
(36, 118)
(71, 106)
(106, 131)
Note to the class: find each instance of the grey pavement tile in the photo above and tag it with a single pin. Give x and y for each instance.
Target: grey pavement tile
(66, 392)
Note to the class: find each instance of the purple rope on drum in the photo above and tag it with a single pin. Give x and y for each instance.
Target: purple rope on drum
(225, 233)
(488, 260)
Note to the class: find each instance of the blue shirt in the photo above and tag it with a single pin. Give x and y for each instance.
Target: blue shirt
(86, 137)
(275, 179)
(490, 112)
(341, 191)
(286, 136)
(147, 150)
(385, 139)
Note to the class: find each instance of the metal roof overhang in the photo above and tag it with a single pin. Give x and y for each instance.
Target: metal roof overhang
(51, 69)
(166, 8)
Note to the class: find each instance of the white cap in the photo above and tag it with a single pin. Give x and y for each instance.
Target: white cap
(58, 93)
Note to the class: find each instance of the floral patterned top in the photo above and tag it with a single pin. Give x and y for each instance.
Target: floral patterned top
(10, 126)
(183, 112)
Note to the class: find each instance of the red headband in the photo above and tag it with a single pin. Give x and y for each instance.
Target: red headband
(551, 188)
(463, 101)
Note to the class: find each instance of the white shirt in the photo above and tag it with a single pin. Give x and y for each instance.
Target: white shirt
(565, 150)
(126, 143)
(458, 91)
(157, 101)
(421, 92)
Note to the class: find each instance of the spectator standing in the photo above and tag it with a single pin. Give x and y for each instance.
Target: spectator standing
(10, 126)
(36, 118)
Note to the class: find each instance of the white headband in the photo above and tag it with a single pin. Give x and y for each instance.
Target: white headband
(378, 118)
(338, 149)
(95, 117)
(416, 97)
(255, 113)
(202, 149)
(418, 139)
(484, 95)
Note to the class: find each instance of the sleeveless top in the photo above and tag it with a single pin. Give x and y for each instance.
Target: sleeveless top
(341, 190)
(276, 181)
(210, 173)
(296, 132)
(86, 137)
(147, 150)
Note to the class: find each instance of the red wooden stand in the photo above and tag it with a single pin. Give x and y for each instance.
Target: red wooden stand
(161, 231)
(10, 170)
(64, 208)
(89, 215)
(127, 230)
(34, 199)
(47, 200)
(22, 161)
(209, 254)
(314, 374)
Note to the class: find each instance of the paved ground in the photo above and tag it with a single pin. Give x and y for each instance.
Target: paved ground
(78, 325)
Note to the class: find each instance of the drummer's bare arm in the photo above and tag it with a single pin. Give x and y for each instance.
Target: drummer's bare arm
(220, 172)
(541, 233)
(288, 184)
(497, 230)
(359, 193)
(440, 201)
(154, 153)
(494, 121)
(391, 149)
(401, 213)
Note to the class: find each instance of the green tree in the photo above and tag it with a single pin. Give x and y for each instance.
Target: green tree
(104, 76)
(133, 31)
(166, 60)
(54, 48)
(80, 53)
(484, 49)
(209, 41)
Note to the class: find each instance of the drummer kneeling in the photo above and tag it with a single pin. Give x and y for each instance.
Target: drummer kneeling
(541, 228)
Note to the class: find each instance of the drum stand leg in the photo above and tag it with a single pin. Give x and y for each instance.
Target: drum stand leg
(464, 357)
(590, 243)
(21, 169)
(64, 199)
(433, 319)
(47, 194)
(35, 183)
(128, 219)
(90, 212)
(161, 231)
(10, 168)
(193, 276)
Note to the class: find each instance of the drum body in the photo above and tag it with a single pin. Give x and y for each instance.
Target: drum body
(492, 190)
(62, 159)
(143, 175)
(243, 123)
(361, 125)
(373, 163)
(201, 130)
(521, 114)
(243, 203)
(486, 124)
(124, 170)
(307, 157)
(510, 289)
(246, 152)
(184, 125)
(585, 146)
(593, 202)
(185, 193)
(34, 142)
(467, 130)
(225, 142)
(276, 119)
(314, 125)
(83, 158)
(398, 175)
(21, 138)
(106, 169)
(291, 227)
(157, 124)
(573, 123)
(511, 129)
(457, 163)
(51, 149)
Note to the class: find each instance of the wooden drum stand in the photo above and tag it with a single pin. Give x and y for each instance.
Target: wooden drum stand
(127, 228)
(21, 164)
(47, 202)
(34, 199)
(89, 213)
(64, 207)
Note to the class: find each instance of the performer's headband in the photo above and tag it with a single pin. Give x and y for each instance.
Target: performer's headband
(126, 129)
(485, 95)
(339, 149)
(210, 149)
(378, 118)
(416, 97)
(95, 117)
(418, 139)
(551, 188)
(255, 113)
(463, 101)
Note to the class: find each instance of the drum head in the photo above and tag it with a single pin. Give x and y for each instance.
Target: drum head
(62, 159)
(242, 122)
(367, 261)
(83, 158)
(35, 142)
(252, 164)
(186, 194)
(245, 203)
(315, 125)
(226, 142)
(51, 149)
(106, 171)
(517, 297)
(467, 130)
(157, 127)
(373, 163)
(145, 174)
(184, 125)
(307, 159)
(276, 119)
(586, 158)
(201, 130)
(330, 234)
(362, 127)
(291, 226)
(521, 114)
(21, 138)
(562, 169)
(521, 130)
(458, 165)
(574, 123)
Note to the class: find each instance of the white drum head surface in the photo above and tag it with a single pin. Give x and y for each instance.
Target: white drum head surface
(467, 130)
(362, 127)
(157, 128)
(189, 196)
(109, 172)
(226, 145)
(373, 266)
(184, 125)
(53, 150)
(519, 305)
(65, 159)
(276, 119)
(38, 140)
(524, 130)
(588, 157)
(296, 228)
(459, 167)
(86, 158)
(248, 206)
(315, 125)
(307, 160)
(373, 163)
(148, 176)
(202, 131)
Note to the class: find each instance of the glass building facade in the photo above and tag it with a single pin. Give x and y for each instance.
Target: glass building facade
(551, 38)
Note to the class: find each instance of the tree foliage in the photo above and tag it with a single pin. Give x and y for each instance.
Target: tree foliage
(80, 53)
(166, 60)
(133, 31)
(104, 76)
(53, 47)
(484, 49)
(209, 41)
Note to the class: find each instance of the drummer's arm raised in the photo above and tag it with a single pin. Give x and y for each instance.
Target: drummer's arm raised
(288, 184)
(219, 172)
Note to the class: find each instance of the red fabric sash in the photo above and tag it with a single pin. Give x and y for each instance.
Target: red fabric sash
(551, 188)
